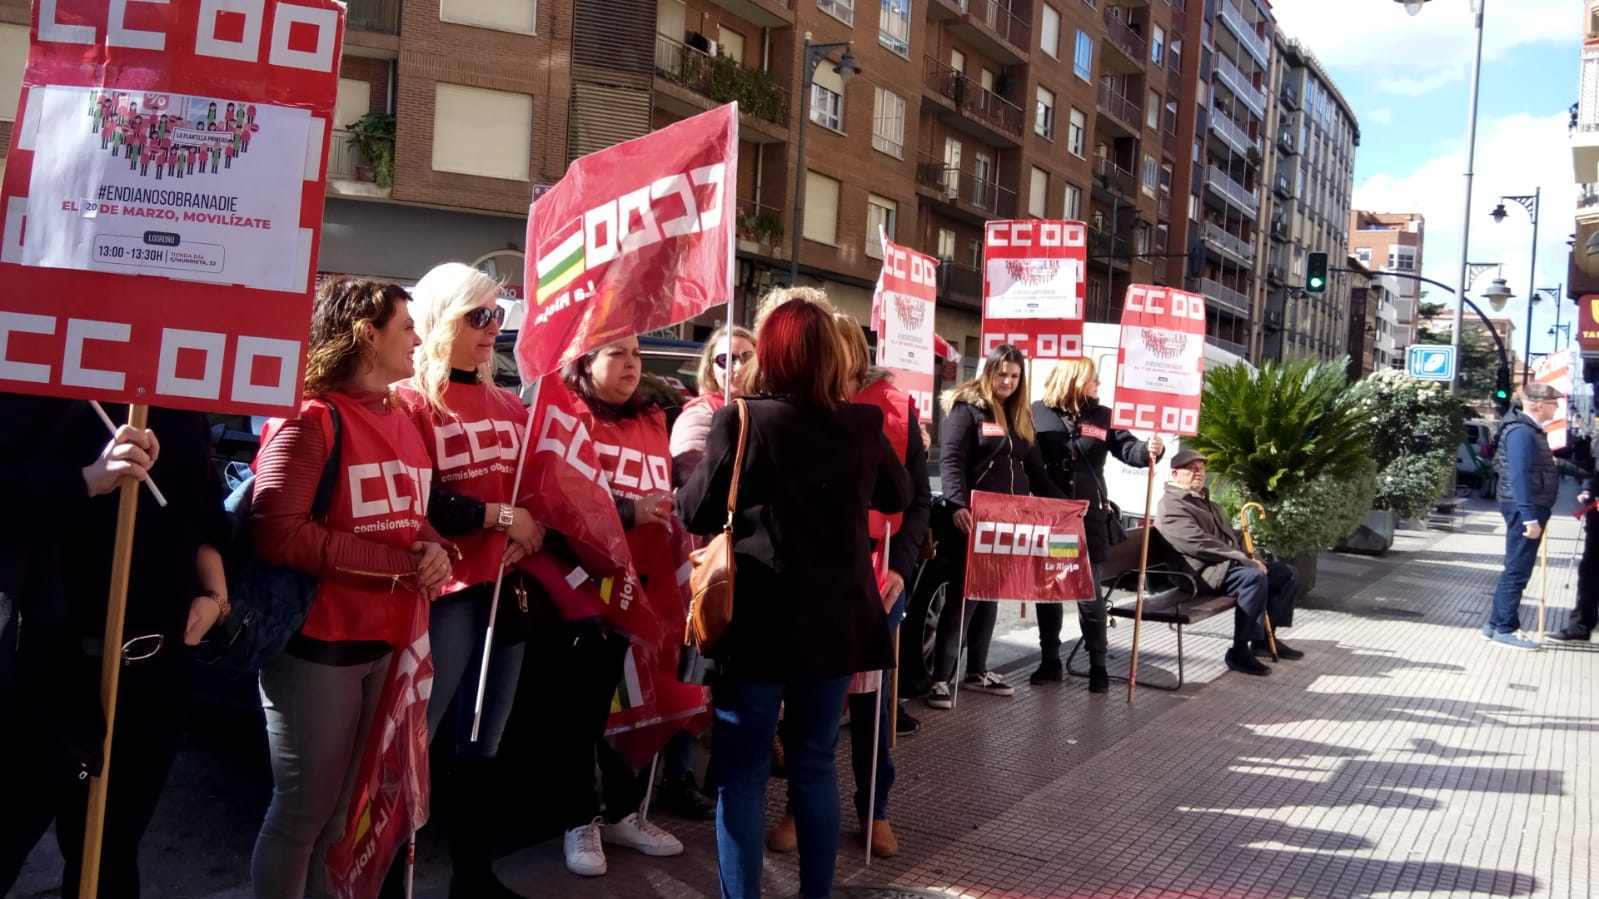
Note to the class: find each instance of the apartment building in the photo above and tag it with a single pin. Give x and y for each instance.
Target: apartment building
(1582, 279)
(1373, 319)
(1393, 242)
(1311, 167)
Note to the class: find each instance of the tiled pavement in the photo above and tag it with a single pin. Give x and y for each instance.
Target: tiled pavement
(1404, 757)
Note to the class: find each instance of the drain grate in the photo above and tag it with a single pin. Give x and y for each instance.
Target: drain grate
(872, 891)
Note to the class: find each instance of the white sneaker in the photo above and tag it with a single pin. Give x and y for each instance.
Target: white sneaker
(584, 854)
(637, 833)
(988, 682)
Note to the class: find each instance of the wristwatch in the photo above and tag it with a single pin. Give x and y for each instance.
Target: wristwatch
(507, 518)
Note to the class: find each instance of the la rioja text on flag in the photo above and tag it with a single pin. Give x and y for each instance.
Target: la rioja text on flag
(1161, 370)
(1033, 289)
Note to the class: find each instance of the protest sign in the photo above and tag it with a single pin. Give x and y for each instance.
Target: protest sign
(1161, 370)
(1033, 287)
(1027, 548)
(902, 316)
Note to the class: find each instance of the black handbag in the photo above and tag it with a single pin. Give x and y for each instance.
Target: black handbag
(1115, 531)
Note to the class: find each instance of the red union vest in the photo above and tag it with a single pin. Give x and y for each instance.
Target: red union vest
(474, 452)
(898, 413)
(381, 496)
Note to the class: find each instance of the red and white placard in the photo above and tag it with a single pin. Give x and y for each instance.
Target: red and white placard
(902, 316)
(1033, 287)
(160, 250)
(1161, 369)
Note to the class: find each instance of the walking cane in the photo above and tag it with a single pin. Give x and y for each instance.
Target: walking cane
(1249, 547)
(1543, 593)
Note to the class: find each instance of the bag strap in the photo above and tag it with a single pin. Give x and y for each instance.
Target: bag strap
(323, 500)
(738, 461)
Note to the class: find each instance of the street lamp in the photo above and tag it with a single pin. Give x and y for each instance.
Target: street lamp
(1413, 7)
(811, 56)
(1529, 203)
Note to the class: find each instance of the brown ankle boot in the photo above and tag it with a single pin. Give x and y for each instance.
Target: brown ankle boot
(782, 838)
(884, 844)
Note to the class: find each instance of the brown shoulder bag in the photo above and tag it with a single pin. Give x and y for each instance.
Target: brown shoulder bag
(711, 579)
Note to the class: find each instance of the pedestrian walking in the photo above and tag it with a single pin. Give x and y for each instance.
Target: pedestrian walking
(1529, 483)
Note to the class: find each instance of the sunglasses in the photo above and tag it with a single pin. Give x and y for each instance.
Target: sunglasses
(741, 358)
(483, 317)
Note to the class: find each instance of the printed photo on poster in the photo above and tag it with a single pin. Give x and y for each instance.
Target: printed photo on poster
(179, 186)
(907, 340)
(1033, 288)
(1161, 360)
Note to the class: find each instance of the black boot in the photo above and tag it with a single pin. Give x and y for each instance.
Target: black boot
(1098, 679)
(1049, 671)
(471, 839)
(682, 797)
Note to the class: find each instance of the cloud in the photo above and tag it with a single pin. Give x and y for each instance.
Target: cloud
(1420, 54)
(1382, 116)
(1516, 155)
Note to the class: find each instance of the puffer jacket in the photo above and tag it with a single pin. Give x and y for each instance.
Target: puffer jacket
(1525, 466)
(1074, 448)
(977, 453)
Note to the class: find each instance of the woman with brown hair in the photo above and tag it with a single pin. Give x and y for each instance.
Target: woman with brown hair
(986, 443)
(376, 558)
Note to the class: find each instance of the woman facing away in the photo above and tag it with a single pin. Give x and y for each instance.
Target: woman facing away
(376, 558)
(985, 443)
(1075, 436)
(808, 613)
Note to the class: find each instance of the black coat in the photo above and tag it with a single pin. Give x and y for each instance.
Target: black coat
(1074, 448)
(806, 604)
(995, 463)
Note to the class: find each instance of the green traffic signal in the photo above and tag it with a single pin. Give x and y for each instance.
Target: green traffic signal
(1316, 276)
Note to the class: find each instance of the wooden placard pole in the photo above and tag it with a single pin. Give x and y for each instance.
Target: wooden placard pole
(111, 669)
(1143, 576)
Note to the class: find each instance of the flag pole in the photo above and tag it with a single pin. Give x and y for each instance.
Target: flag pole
(1143, 576)
(111, 669)
(877, 723)
(499, 582)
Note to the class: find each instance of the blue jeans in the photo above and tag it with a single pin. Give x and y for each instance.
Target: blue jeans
(1258, 593)
(1520, 554)
(456, 628)
(741, 741)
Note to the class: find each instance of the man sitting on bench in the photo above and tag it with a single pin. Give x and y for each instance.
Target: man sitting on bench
(1211, 551)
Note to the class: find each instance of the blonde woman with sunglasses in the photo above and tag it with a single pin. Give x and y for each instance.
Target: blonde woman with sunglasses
(722, 365)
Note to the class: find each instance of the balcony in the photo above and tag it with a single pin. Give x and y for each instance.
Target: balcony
(1226, 296)
(1279, 228)
(1242, 86)
(1113, 179)
(760, 13)
(1283, 186)
(1286, 142)
(1237, 349)
(1253, 43)
(1121, 37)
(1163, 207)
(1585, 137)
(719, 79)
(1120, 109)
(376, 16)
(759, 228)
(979, 196)
(1231, 134)
(970, 108)
(1232, 191)
(990, 25)
(350, 173)
(1218, 237)
(960, 285)
(1289, 96)
(1274, 275)
(1104, 246)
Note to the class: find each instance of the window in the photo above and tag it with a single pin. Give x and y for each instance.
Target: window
(1157, 45)
(730, 44)
(1083, 61)
(500, 15)
(894, 26)
(1049, 32)
(821, 209)
(888, 124)
(14, 59)
(842, 10)
(1038, 193)
(1402, 260)
(1077, 133)
(880, 214)
(827, 98)
(482, 132)
(1363, 254)
(957, 61)
(1151, 174)
(946, 244)
(1073, 207)
(1152, 111)
(1140, 238)
(1044, 115)
(354, 98)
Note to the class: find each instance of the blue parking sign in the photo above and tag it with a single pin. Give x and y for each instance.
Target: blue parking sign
(1431, 362)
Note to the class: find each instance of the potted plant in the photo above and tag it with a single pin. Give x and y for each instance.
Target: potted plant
(1291, 437)
(1415, 429)
(372, 136)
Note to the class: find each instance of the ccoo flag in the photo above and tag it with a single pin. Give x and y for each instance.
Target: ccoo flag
(636, 237)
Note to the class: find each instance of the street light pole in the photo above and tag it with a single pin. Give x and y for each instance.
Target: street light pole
(1529, 203)
(811, 56)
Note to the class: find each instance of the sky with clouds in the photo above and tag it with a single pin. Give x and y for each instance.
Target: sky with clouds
(1408, 81)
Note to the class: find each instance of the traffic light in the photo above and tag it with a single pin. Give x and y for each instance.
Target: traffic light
(1316, 280)
(1502, 389)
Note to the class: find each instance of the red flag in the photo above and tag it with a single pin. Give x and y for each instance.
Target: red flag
(1161, 370)
(1027, 548)
(635, 237)
(391, 799)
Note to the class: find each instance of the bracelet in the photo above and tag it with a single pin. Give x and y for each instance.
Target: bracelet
(223, 606)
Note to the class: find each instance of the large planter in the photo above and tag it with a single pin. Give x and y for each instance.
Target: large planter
(1375, 535)
(1306, 567)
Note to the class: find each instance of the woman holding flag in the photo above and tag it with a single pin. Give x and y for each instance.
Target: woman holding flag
(376, 558)
(474, 432)
(1075, 435)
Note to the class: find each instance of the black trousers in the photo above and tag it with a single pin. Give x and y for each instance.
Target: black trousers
(975, 618)
(43, 785)
(1091, 617)
(1584, 618)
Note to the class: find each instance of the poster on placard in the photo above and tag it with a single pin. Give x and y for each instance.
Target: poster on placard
(1033, 287)
(902, 315)
(1160, 374)
(162, 202)
(1555, 371)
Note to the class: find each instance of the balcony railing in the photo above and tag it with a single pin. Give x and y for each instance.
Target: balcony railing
(956, 185)
(1104, 244)
(1234, 19)
(381, 16)
(722, 79)
(1279, 228)
(960, 282)
(1120, 108)
(972, 99)
(1241, 85)
(1290, 96)
(759, 223)
(1230, 132)
(1226, 295)
(1237, 349)
(1163, 206)
(1588, 99)
(1115, 178)
(1285, 140)
(1232, 190)
(1283, 186)
(1124, 38)
(1235, 245)
(997, 16)
(343, 156)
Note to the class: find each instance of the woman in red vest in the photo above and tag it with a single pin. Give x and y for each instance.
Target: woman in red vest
(630, 438)
(377, 559)
(474, 433)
